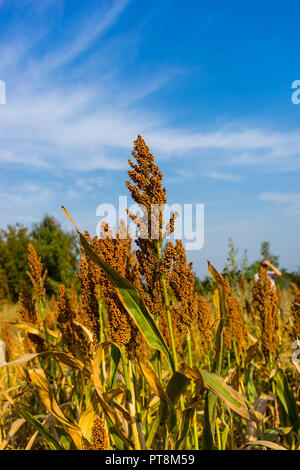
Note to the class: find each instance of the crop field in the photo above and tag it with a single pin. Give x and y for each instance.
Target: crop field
(140, 358)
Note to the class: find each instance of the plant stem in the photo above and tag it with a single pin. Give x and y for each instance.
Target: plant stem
(236, 353)
(138, 406)
(102, 335)
(131, 399)
(42, 310)
(218, 435)
(195, 427)
(158, 355)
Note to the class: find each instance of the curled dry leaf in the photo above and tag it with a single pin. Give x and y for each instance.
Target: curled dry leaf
(259, 406)
(13, 430)
(267, 444)
(38, 378)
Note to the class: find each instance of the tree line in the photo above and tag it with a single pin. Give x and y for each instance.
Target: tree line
(60, 250)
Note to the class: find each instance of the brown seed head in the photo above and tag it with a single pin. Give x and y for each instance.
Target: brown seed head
(295, 310)
(182, 282)
(205, 323)
(234, 323)
(146, 188)
(265, 301)
(99, 435)
(8, 341)
(116, 252)
(26, 309)
(34, 343)
(89, 307)
(36, 274)
(72, 334)
(170, 227)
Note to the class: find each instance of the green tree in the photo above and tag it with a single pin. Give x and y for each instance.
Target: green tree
(245, 263)
(13, 260)
(231, 265)
(59, 251)
(266, 254)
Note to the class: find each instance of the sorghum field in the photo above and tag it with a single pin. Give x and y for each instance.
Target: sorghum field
(139, 359)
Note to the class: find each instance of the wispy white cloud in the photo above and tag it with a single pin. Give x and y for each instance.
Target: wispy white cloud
(223, 176)
(87, 32)
(234, 145)
(86, 126)
(70, 115)
(91, 183)
(184, 173)
(290, 200)
(80, 124)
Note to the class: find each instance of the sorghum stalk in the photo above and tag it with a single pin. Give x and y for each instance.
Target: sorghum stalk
(159, 367)
(42, 310)
(218, 435)
(138, 406)
(130, 399)
(37, 277)
(195, 427)
(211, 399)
(236, 352)
(102, 336)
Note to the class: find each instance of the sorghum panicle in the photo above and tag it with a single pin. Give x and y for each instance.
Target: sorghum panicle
(27, 313)
(8, 341)
(205, 322)
(89, 306)
(295, 310)
(26, 309)
(234, 323)
(182, 282)
(265, 301)
(36, 274)
(72, 335)
(100, 439)
(116, 252)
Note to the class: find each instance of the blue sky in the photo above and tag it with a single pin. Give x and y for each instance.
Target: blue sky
(207, 84)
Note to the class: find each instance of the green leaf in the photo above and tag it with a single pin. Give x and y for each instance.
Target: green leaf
(250, 387)
(152, 432)
(186, 423)
(231, 397)
(114, 362)
(176, 386)
(209, 421)
(271, 434)
(53, 443)
(113, 432)
(287, 399)
(224, 437)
